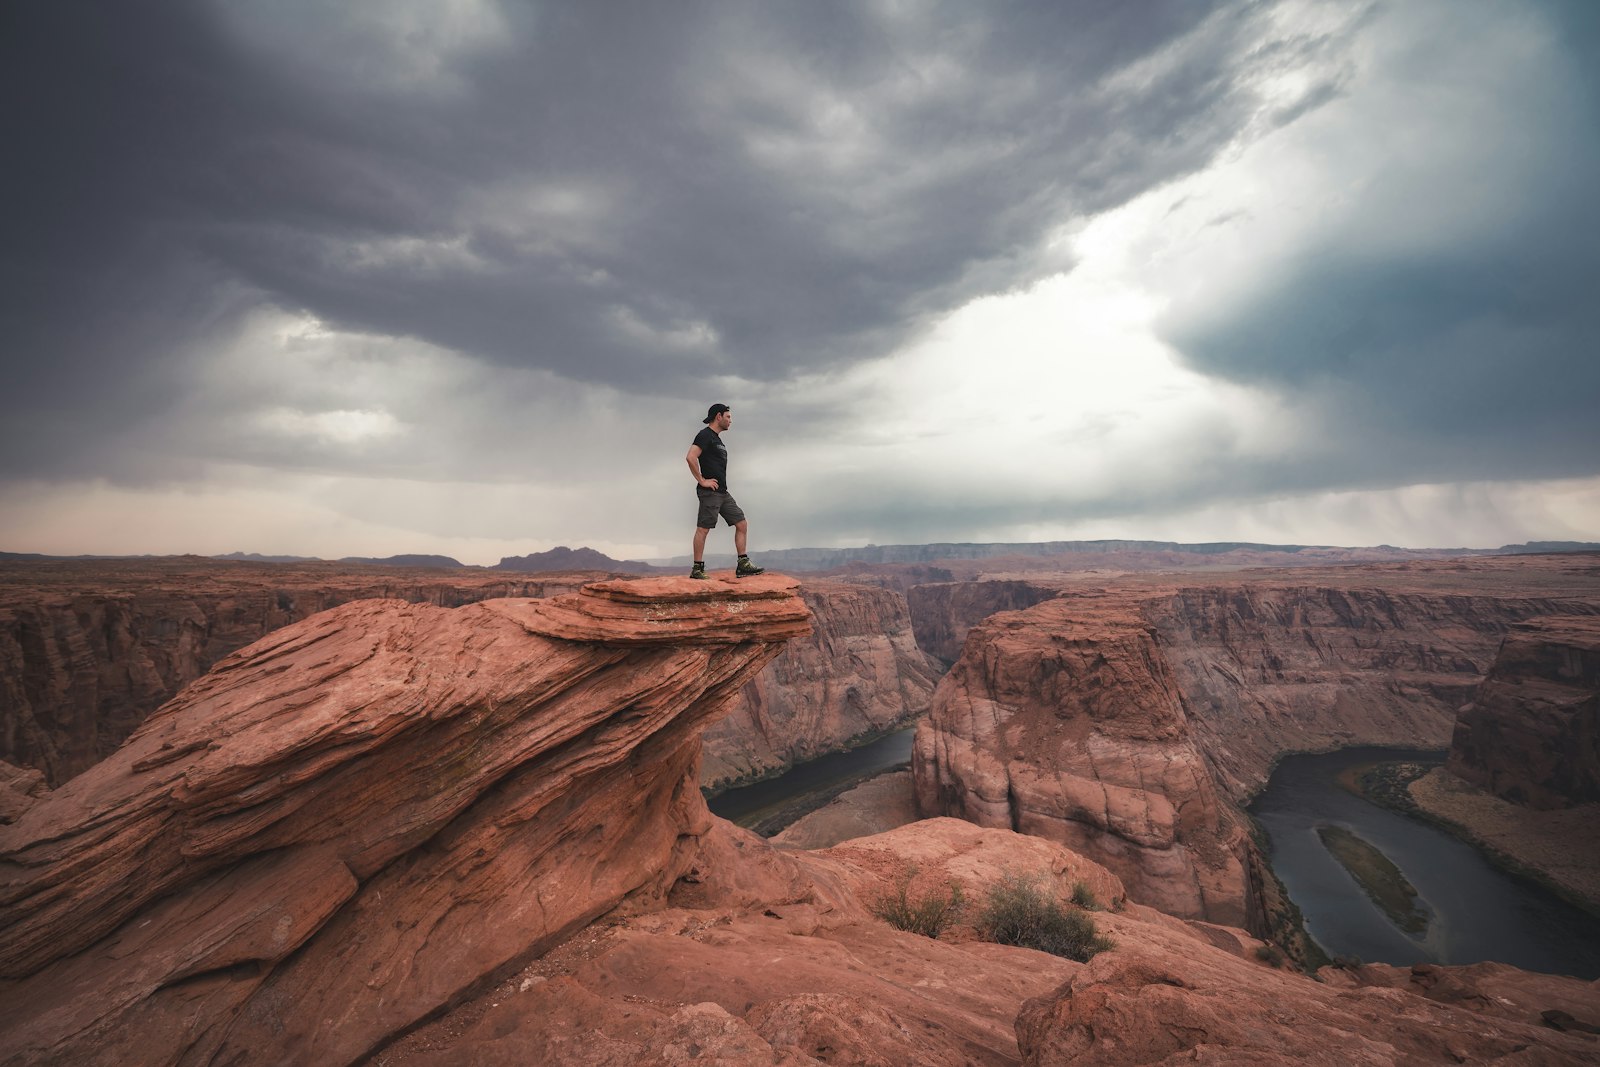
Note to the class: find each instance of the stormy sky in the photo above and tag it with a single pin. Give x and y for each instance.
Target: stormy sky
(462, 276)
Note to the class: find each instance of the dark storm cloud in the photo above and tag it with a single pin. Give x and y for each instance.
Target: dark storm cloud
(643, 194)
(1471, 351)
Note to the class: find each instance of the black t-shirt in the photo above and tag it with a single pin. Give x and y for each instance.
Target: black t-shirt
(713, 456)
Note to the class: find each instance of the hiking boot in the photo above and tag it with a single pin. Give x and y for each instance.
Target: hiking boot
(697, 571)
(746, 568)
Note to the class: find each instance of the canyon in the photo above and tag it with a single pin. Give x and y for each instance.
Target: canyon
(399, 833)
(1117, 722)
(1132, 719)
(859, 675)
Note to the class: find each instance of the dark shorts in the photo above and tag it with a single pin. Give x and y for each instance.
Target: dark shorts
(714, 502)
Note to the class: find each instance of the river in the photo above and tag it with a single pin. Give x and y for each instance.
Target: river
(1478, 912)
(768, 806)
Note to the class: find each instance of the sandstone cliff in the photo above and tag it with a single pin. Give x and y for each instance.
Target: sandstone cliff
(858, 675)
(88, 649)
(1532, 732)
(1063, 722)
(347, 825)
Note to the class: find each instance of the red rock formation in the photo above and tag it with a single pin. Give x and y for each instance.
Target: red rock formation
(860, 674)
(346, 826)
(767, 958)
(1159, 999)
(19, 788)
(1532, 733)
(1063, 722)
(88, 649)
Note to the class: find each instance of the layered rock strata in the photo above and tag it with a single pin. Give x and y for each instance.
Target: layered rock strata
(401, 835)
(1532, 732)
(348, 825)
(88, 650)
(858, 675)
(765, 958)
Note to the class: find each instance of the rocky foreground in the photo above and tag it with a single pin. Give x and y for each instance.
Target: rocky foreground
(397, 833)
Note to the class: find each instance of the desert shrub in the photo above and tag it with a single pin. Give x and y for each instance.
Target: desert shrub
(1018, 912)
(927, 915)
(1271, 955)
(1084, 897)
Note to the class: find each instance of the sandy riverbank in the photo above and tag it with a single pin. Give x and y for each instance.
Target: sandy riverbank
(879, 804)
(1561, 848)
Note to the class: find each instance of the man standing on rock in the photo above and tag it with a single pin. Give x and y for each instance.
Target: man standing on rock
(708, 462)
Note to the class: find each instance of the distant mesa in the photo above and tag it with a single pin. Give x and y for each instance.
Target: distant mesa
(1124, 554)
(562, 558)
(406, 561)
(1550, 546)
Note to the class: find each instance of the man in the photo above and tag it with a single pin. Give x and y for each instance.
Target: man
(708, 462)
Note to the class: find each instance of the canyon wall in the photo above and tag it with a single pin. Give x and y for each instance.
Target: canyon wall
(859, 674)
(942, 613)
(1267, 668)
(1532, 732)
(385, 797)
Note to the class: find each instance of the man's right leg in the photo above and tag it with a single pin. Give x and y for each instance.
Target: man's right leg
(699, 568)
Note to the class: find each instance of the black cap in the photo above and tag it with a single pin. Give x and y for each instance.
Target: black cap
(713, 411)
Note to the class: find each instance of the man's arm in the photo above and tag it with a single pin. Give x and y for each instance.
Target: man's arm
(694, 468)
